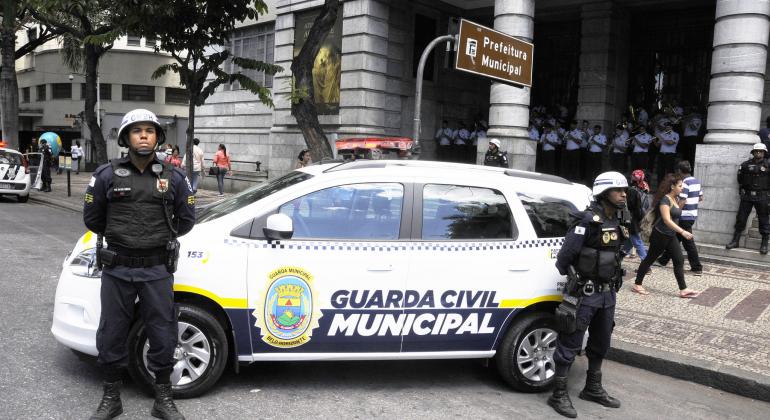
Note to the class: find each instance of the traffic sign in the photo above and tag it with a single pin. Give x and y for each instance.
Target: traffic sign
(490, 53)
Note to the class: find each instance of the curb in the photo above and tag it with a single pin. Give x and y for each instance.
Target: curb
(60, 204)
(723, 378)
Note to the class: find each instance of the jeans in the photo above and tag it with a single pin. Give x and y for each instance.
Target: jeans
(221, 180)
(194, 181)
(660, 243)
(689, 246)
(635, 241)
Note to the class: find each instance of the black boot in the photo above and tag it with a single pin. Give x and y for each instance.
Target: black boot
(594, 391)
(560, 399)
(110, 406)
(164, 407)
(763, 246)
(734, 242)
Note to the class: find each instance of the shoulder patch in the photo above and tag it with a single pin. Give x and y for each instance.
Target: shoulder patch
(580, 230)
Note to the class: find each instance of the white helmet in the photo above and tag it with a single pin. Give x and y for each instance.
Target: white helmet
(496, 142)
(759, 146)
(609, 180)
(135, 116)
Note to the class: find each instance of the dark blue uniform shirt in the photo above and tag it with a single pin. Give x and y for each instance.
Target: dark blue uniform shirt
(97, 198)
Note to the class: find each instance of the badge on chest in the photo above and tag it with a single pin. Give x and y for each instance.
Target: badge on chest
(610, 236)
(161, 184)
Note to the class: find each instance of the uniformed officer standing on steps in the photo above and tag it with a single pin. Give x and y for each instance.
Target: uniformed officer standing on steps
(495, 156)
(591, 258)
(140, 205)
(754, 183)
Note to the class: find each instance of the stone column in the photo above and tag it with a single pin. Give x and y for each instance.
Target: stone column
(603, 80)
(735, 99)
(509, 105)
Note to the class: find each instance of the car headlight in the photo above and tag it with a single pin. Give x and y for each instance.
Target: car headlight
(84, 264)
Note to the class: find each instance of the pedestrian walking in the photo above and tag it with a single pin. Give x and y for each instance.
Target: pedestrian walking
(691, 196)
(444, 142)
(663, 237)
(140, 206)
(638, 193)
(754, 183)
(174, 159)
(592, 249)
(303, 159)
(45, 165)
(222, 165)
(197, 154)
(495, 156)
(76, 153)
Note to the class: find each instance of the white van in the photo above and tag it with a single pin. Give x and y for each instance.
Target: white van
(353, 261)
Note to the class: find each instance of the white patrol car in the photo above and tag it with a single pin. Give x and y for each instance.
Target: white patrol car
(358, 260)
(15, 176)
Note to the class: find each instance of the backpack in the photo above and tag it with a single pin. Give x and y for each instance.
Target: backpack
(642, 204)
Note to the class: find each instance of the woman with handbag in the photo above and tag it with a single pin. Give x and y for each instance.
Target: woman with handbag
(639, 189)
(663, 236)
(221, 167)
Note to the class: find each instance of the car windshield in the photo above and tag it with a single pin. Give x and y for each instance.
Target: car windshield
(10, 158)
(250, 195)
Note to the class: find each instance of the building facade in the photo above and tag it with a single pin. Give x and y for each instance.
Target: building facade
(51, 96)
(592, 58)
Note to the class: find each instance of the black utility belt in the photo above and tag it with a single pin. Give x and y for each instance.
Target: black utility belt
(601, 287)
(111, 258)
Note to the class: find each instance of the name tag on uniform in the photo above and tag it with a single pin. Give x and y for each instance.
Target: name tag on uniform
(121, 191)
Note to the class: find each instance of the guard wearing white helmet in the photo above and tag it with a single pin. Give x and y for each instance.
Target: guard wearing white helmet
(140, 205)
(754, 182)
(590, 257)
(495, 156)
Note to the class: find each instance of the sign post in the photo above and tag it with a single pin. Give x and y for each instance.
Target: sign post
(486, 52)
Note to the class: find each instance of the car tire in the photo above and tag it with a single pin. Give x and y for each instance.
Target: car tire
(23, 198)
(525, 357)
(192, 375)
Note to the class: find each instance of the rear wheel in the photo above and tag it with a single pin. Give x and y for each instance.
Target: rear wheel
(525, 357)
(199, 359)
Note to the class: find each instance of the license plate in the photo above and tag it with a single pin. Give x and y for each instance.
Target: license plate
(5, 186)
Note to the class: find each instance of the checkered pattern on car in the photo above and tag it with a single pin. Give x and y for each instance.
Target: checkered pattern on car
(396, 246)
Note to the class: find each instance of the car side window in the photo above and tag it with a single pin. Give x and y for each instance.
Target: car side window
(460, 212)
(551, 217)
(352, 212)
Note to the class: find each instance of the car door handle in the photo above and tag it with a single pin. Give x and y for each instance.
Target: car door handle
(518, 268)
(384, 267)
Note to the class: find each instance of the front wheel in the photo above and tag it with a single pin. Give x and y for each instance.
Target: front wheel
(525, 356)
(199, 359)
(23, 198)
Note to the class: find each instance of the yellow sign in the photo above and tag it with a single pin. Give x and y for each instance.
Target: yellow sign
(490, 53)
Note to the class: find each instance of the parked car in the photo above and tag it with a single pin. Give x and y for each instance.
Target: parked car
(15, 178)
(360, 260)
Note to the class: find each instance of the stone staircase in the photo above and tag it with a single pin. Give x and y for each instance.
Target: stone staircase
(753, 239)
(747, 255)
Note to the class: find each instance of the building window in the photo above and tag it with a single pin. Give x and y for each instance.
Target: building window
(139, 93)
(25, 94)
(133, 40)
(150, 42)
(255, 42)
(41, 93)
(177, 96)
(105, 91)
(61, 91)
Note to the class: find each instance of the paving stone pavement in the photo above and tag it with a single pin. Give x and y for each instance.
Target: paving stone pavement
(727, 327)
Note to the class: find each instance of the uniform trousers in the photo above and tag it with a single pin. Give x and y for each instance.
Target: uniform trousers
(593, 166)
(640, 160)
(618, 162)
(687, 149)
(761, 205)
(548, 165)
(156, 307)
(444, 152)
(666, 162)
(599, 322)
(571, 165)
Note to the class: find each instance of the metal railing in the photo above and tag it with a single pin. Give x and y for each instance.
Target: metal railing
(257, 169)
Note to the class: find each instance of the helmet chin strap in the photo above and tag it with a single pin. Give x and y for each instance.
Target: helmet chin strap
(144, 152)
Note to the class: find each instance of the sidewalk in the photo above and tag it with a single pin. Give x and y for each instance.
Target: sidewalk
(720, 339)
(78, 183)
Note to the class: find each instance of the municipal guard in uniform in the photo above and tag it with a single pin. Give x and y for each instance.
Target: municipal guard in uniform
(495, 156)
(590, 257)
(140, 206)
(754, 182)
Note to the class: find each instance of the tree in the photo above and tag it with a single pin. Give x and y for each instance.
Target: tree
(87, 24)
(9, 105)
(196, 33)
(303, 104)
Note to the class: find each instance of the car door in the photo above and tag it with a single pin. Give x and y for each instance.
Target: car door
(34, 160)
(333, 290)
(473, 262)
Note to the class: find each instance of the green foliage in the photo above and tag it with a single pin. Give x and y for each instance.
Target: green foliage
(294, 93)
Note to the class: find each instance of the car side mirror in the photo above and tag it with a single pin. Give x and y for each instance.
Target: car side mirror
(278, 226)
